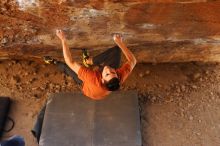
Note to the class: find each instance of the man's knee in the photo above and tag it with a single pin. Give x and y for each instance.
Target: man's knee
(14, 141)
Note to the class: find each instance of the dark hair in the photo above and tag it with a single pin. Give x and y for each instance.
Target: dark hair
(113, 84)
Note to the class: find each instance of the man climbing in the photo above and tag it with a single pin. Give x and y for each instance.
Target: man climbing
(96, 84)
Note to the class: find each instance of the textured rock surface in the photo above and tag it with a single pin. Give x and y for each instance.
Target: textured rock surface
(175, 30)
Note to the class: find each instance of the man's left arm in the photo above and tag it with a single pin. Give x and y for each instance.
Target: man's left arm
(67, 54)
(128, 54)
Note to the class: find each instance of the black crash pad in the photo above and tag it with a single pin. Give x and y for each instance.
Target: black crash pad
(71, 119)
(4, 109)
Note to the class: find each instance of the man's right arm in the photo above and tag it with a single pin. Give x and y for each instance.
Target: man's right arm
(67, 54)
(128, 54)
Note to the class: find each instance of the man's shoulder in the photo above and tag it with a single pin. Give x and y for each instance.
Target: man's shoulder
(87, 73)
(124, 71)
(84, 69)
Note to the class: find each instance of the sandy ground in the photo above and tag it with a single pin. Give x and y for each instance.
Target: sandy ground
(180, 103)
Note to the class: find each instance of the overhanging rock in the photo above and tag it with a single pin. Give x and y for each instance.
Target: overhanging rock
(156, 31)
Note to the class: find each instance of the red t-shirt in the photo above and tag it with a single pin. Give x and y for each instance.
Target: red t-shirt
(92, 83)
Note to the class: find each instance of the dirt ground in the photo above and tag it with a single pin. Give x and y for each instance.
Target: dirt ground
(180, 102)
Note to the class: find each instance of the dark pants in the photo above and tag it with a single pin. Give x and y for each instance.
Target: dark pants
(111, 57)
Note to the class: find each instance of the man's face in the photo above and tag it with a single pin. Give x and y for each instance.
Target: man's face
(108, 73)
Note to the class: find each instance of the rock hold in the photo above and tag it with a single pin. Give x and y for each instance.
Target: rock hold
(196, 76)
(26, 73)
(15, 80)
(198, 133)
(183, 88)
(51, 86)
(178, 90)
(200, 79)
(180, 104)
(57, 86)
(141, 75)
(191, 118)
(4, 40)
(207, 72)
(32, 80)
(154, 98)
(147, 72)
(159, 85)
(213, 97)
(194, 87)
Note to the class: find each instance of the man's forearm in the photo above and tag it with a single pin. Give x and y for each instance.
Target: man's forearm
(66, 52)
(128, 54)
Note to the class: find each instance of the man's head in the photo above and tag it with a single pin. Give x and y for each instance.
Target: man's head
(110, 78)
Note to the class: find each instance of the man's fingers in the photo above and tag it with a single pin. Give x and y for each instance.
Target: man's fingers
(117, 35)
(58, 31)
(114, 36)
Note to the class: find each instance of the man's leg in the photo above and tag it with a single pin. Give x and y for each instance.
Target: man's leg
(111, 57)
(14, 141)
(67, 70)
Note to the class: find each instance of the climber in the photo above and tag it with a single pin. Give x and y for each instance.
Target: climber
(97, 83)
